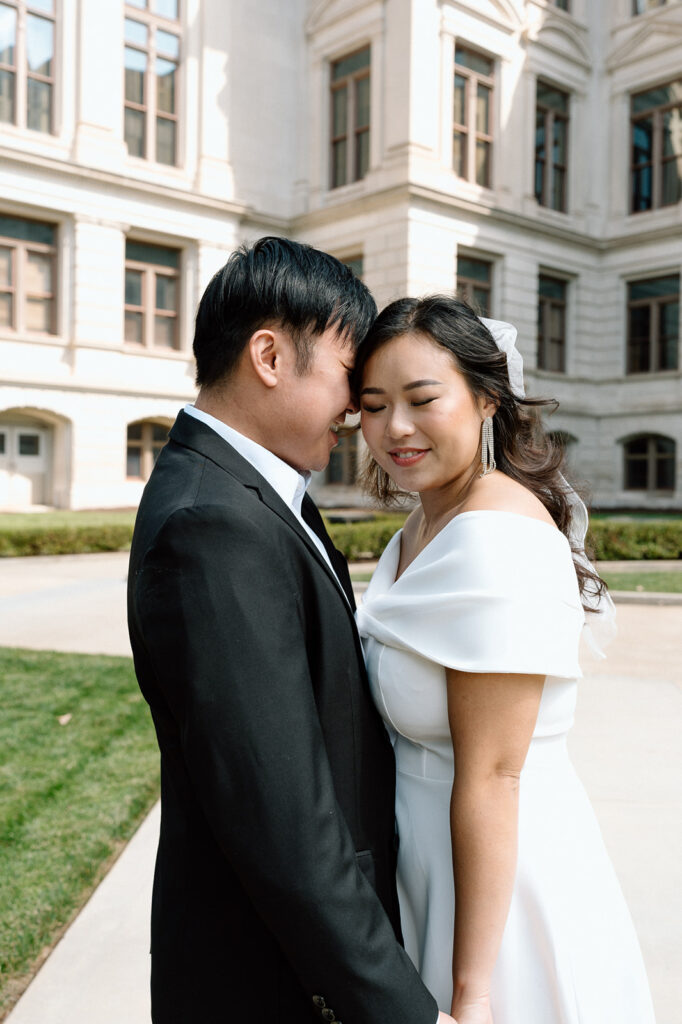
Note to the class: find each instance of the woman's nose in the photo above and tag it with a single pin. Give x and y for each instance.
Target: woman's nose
(399, 424)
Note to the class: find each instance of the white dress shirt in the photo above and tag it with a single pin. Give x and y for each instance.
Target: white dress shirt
(283, 478)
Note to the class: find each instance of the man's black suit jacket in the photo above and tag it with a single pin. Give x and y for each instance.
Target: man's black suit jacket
(274, 896)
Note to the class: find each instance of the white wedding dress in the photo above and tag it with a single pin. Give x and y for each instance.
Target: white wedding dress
(496, 592)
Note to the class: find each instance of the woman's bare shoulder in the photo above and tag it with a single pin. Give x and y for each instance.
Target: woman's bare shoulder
(498, 492)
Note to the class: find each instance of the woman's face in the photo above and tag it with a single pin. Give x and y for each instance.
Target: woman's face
(420, 420)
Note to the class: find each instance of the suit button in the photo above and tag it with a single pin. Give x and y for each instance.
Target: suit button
(328, 1015)
(319, 1001)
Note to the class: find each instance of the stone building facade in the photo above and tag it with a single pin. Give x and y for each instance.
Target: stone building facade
(527, 154)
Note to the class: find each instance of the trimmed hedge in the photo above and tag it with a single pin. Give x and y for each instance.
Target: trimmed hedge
(611, 539)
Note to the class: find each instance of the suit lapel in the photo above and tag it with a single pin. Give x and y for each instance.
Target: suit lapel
(192, 433)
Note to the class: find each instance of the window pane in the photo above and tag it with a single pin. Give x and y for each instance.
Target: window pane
(29, 444)
(2, 444)
(540, 128)
(479, 270)
(133, 288)
(166, 292)
(672, 133)
(5, 268)
(6, 96)
(642, 141)
(339, 112)
(659, 97)
(672, 182)
(635, 474)
(641, 190)
(665, 474)
(166, 8)
(459, 154)
(145, 252)
(159, 433)
(482, 163)
(135, 432)
(668, 341)
(356, 265)
(480, 300)
(559, 141)
(552, 288)
(548, 96)
(638, 343)
(654, 288)
(8, 35)
(142, 4)
(460, 100)
(133, 327)
(167, 43)
(339, 163)
(135, 32)
(361, 155)
(483, 109)
(165, 141)
(6, 306)
(474, 61)
(134, 131)
(348, 65)
(556, 322)
(39, 45)
(39, 315)
(39, 113)
(27, 230)
(165, 85)
(38, 273)
(135, 65)
(46, 6)
(164, 331)
(134, 462)
(558, 183)
(362, 103)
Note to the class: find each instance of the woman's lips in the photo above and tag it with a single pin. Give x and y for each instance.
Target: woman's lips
(407, 456)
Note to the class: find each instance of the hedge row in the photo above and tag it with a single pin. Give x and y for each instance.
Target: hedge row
(611, 540)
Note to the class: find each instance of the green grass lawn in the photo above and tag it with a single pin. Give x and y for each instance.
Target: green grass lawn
(661, 582)
(63, 517)
(70, 794)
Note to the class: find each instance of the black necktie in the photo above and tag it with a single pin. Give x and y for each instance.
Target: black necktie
(312, 517)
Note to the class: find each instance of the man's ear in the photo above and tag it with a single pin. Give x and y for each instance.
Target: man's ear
(265, 356)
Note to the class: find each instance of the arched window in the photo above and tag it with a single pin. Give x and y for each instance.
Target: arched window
(145, 440)
(649, 463)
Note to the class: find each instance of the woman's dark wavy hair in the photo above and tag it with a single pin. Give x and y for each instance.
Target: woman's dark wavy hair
(523, 449)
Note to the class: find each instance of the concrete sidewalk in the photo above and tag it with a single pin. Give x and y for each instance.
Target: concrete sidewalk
(626, 745)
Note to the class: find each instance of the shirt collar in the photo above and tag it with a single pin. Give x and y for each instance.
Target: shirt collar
(286, 481)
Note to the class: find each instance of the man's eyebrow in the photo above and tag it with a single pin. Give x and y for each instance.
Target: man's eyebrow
(407, 387)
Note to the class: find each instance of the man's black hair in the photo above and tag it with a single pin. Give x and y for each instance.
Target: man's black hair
(277, 281)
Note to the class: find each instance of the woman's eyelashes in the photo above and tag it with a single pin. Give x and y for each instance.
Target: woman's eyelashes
(380, 408)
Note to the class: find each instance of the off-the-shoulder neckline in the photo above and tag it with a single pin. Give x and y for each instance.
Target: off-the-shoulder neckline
(462, 515)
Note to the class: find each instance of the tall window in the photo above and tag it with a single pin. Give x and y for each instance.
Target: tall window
(649, 463)
(27, 63)
(551, 324)
(350, 114)
(641, 6)
(653, 324)
(151, 295)
(152, 56)
(551, 146)
(144, 443)
(472, 142)
(657, 147)
(27, 275)
(474, 283)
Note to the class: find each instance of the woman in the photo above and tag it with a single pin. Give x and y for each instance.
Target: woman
(471, 625)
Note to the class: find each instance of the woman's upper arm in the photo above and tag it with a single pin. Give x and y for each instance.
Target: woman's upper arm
(492, 717)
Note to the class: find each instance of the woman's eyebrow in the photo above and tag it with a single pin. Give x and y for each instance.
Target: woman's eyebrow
(406, 387)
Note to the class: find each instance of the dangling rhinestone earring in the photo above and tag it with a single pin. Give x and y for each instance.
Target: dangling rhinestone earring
(487, 447)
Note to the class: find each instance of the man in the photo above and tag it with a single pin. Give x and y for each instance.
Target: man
(274, 896)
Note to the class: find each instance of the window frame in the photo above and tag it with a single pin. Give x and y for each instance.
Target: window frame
(469, 130)
(546, 304)
(145, 444)
(148, 310)
(549, 167)
(651, 457)
(20, 249)
(20, 71)
(349, 82)
(149, 107)
(655, 338)
(653, 7)
(658, 159)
